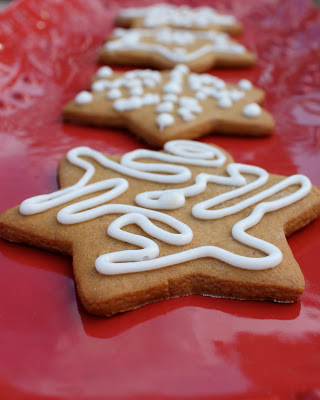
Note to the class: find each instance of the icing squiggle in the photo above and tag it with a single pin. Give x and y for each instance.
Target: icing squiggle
(120, 262)
(215, 42)
(155, 199)
(182, 151)
(180, 16)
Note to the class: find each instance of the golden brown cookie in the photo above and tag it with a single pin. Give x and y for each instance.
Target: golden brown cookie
(164, 48)
(154, 225)
(161, 106)
(178, 17)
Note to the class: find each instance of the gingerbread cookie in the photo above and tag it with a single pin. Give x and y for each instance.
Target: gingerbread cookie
(161, 106)
(179, 17)
(154, 225)
(164, 48)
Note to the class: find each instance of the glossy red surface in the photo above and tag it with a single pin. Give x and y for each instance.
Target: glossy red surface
(194, 347)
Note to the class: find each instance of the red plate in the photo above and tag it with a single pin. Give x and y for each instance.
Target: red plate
(194, 347)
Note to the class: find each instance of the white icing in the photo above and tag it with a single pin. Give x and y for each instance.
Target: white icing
(168, 36)
(149, 82)
(186, 114)
(150, 99)
(191, 104)
(83, 97)
(236, 95)
(252, 110)
(100, 86)
(104, 72)
(181, 69)
(219, 84)
(136, 91)
(225, 102)
(178, 16)
(170, 97)
(131, 83)
(164, 107)
(114, 94)
(202, 43)
(182, 151)
(201, 95)
(164, 120)
(172, 87)
(244, 84)
(132, 103)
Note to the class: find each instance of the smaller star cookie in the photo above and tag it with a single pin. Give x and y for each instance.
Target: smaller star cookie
(164, 48)
(179, 17)
(161, 106)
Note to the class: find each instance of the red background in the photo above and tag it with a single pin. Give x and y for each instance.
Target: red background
(194, 347)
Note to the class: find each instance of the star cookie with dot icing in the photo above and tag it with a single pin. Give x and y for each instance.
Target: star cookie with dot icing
(153, 225)
(161, 106)
(179, 17)
(165, 47)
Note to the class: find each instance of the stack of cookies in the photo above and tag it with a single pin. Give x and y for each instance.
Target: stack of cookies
(183, 101)
(158, 224)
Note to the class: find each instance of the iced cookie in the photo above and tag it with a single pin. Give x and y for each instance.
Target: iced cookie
(180, 17)
(161, 106)
(165, 47)
(154, 225)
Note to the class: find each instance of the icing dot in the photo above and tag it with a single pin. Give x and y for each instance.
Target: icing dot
(114, 94)
(176, 76)
(150, 98)
(99, 86)
(215, 94)
(225, 102)
(172, 87)
(149, 82)
(170, 97)
(236, 95)
(166, 106)
(116, 83)
(244, 84)
(201, 95)
(183, 69)
(219, 84)
(191, 104)
(136, 91)
(171, 200)
(164, 120)
(132, 103)
(185, 114)
(131, 83)
(83, 97)
(207, 79)
(104, 72)
(251, 110)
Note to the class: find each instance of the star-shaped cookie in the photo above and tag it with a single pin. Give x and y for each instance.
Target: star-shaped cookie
(179, 17)
(165, 47)
(161, 106)
(154, 225)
